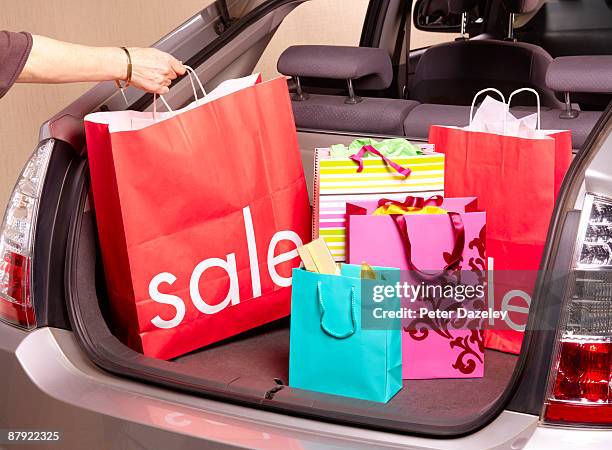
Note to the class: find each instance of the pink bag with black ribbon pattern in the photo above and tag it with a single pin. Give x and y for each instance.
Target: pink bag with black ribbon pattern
(441, 338)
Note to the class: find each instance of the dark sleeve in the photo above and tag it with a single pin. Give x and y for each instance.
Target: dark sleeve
(14, 51)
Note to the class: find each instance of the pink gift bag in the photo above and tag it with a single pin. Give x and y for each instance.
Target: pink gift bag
(428, 248)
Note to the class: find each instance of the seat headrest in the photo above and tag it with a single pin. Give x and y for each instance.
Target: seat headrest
(461, 6)
(521, 6)
(592, 74)
(370, 68)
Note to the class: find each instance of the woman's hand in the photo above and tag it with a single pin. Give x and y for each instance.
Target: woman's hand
(152, 69)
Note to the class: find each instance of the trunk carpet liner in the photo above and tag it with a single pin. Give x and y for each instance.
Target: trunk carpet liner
(262, 354)
(265, 353)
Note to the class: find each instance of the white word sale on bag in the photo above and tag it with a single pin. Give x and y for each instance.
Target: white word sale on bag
(229, 265)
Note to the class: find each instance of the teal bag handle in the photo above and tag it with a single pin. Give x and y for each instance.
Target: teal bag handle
(324, 327)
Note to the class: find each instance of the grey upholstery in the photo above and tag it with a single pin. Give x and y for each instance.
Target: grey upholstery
(370, 68)
(372, 115)
(422, 117)
(591, 74)
(521, 6)
(580, 126)
(453, 72)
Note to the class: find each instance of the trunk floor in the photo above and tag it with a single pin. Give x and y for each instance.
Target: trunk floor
(265, 353)
(257, 357)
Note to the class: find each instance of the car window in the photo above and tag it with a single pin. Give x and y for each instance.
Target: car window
(326, 22)
(565, 28)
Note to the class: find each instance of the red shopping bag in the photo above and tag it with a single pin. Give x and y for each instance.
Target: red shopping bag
(199, 216)
(516, 180)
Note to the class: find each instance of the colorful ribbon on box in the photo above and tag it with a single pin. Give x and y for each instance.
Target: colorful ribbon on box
(358, 158)
(412, 205)
(387, 149)
(391, 148)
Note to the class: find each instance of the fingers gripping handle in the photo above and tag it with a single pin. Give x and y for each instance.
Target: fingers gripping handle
(192, 75)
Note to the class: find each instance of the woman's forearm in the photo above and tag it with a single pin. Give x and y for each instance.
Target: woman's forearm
(53, 61)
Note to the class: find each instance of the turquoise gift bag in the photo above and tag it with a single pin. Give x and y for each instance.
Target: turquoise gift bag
(329, 351)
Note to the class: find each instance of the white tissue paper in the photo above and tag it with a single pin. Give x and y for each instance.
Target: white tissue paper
(494, 116)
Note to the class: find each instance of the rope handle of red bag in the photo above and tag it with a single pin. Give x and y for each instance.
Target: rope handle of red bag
(192, 75)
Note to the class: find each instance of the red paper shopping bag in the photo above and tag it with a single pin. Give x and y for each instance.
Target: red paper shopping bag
(516, 180)
(199, 216)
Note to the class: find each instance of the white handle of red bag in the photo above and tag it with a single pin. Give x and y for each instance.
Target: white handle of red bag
(482, 91)
(525, 89)
(192, 74)
(161, 97)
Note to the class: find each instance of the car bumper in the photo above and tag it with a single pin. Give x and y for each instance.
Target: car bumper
(49, 384)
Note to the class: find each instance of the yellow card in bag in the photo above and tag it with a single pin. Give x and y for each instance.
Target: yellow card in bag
(317, 257)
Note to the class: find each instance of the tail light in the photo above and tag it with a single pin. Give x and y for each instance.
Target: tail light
(17, 241)
(580, 387)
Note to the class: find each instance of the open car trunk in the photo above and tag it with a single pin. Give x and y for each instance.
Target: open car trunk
(252, 368)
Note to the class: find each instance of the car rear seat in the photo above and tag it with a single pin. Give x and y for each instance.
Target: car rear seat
(453, 72)
(570, 74)
(417, 123)
(581, 75)
(364, 69)
(369, 69)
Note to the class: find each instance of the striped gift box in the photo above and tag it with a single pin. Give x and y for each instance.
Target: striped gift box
(337, 182)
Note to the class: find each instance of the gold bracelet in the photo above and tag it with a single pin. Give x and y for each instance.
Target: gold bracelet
(128, 78)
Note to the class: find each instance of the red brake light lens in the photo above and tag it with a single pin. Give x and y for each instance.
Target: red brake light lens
(14, 289)
(581, 393)
(584, 372)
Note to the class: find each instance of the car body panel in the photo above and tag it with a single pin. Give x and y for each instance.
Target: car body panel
(55, 387)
